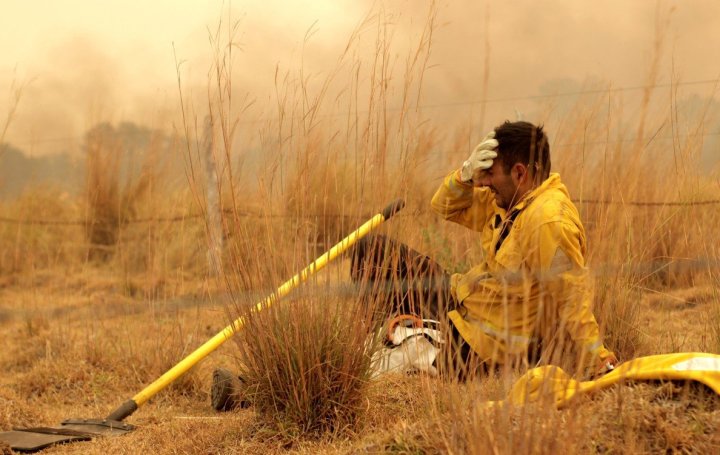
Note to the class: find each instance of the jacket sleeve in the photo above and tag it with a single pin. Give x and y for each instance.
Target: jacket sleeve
(462, 203)
(560, 265)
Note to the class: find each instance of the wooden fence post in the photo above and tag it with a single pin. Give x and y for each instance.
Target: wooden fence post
(214, 210)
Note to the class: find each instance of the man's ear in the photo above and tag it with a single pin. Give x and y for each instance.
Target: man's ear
(520, 172)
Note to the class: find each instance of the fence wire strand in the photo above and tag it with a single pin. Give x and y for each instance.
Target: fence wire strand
(180, 218)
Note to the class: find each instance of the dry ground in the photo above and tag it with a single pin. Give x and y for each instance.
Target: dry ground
(78, 345)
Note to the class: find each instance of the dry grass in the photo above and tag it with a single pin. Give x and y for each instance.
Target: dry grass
(78, 347)
(306, 365)
(634, 418)
(27, 246)
(84, 331)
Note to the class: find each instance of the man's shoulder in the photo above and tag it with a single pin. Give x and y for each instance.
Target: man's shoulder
(552, 205)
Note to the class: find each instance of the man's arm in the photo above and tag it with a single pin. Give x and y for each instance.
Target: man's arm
(457, 200)
(461, 203)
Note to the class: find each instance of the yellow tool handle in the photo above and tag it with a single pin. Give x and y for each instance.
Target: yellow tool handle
(213, 343)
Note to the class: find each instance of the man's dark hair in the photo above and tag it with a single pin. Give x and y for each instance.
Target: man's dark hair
(523, 142)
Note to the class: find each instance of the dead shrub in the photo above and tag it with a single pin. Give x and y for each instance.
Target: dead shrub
(102, 190)
(113, 187)
(39, 240)
(306, 365)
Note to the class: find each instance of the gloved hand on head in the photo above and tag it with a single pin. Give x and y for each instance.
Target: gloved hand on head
(480, 159)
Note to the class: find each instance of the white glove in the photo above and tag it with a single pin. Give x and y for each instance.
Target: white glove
(480, 159)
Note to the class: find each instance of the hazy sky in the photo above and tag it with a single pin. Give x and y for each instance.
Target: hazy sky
(85, 61)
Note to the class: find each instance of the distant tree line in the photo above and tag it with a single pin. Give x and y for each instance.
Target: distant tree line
(66, 170)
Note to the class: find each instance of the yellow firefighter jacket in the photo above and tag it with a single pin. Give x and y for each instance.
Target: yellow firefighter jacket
(533, 286)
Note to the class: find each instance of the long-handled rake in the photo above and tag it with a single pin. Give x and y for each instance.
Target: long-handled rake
(34, 439)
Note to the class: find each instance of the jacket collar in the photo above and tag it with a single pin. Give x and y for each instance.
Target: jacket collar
(553, 181)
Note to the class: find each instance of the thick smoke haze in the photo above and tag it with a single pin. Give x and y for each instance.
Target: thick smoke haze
(82, 62)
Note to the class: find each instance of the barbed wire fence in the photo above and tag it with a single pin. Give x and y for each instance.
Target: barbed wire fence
(691, 262)
(257, 215)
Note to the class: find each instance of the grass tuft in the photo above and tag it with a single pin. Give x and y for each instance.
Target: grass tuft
(306, 365)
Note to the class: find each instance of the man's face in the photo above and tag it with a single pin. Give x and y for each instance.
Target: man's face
(501, 184)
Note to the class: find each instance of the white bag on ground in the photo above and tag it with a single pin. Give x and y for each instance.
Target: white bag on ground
(413, 351)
